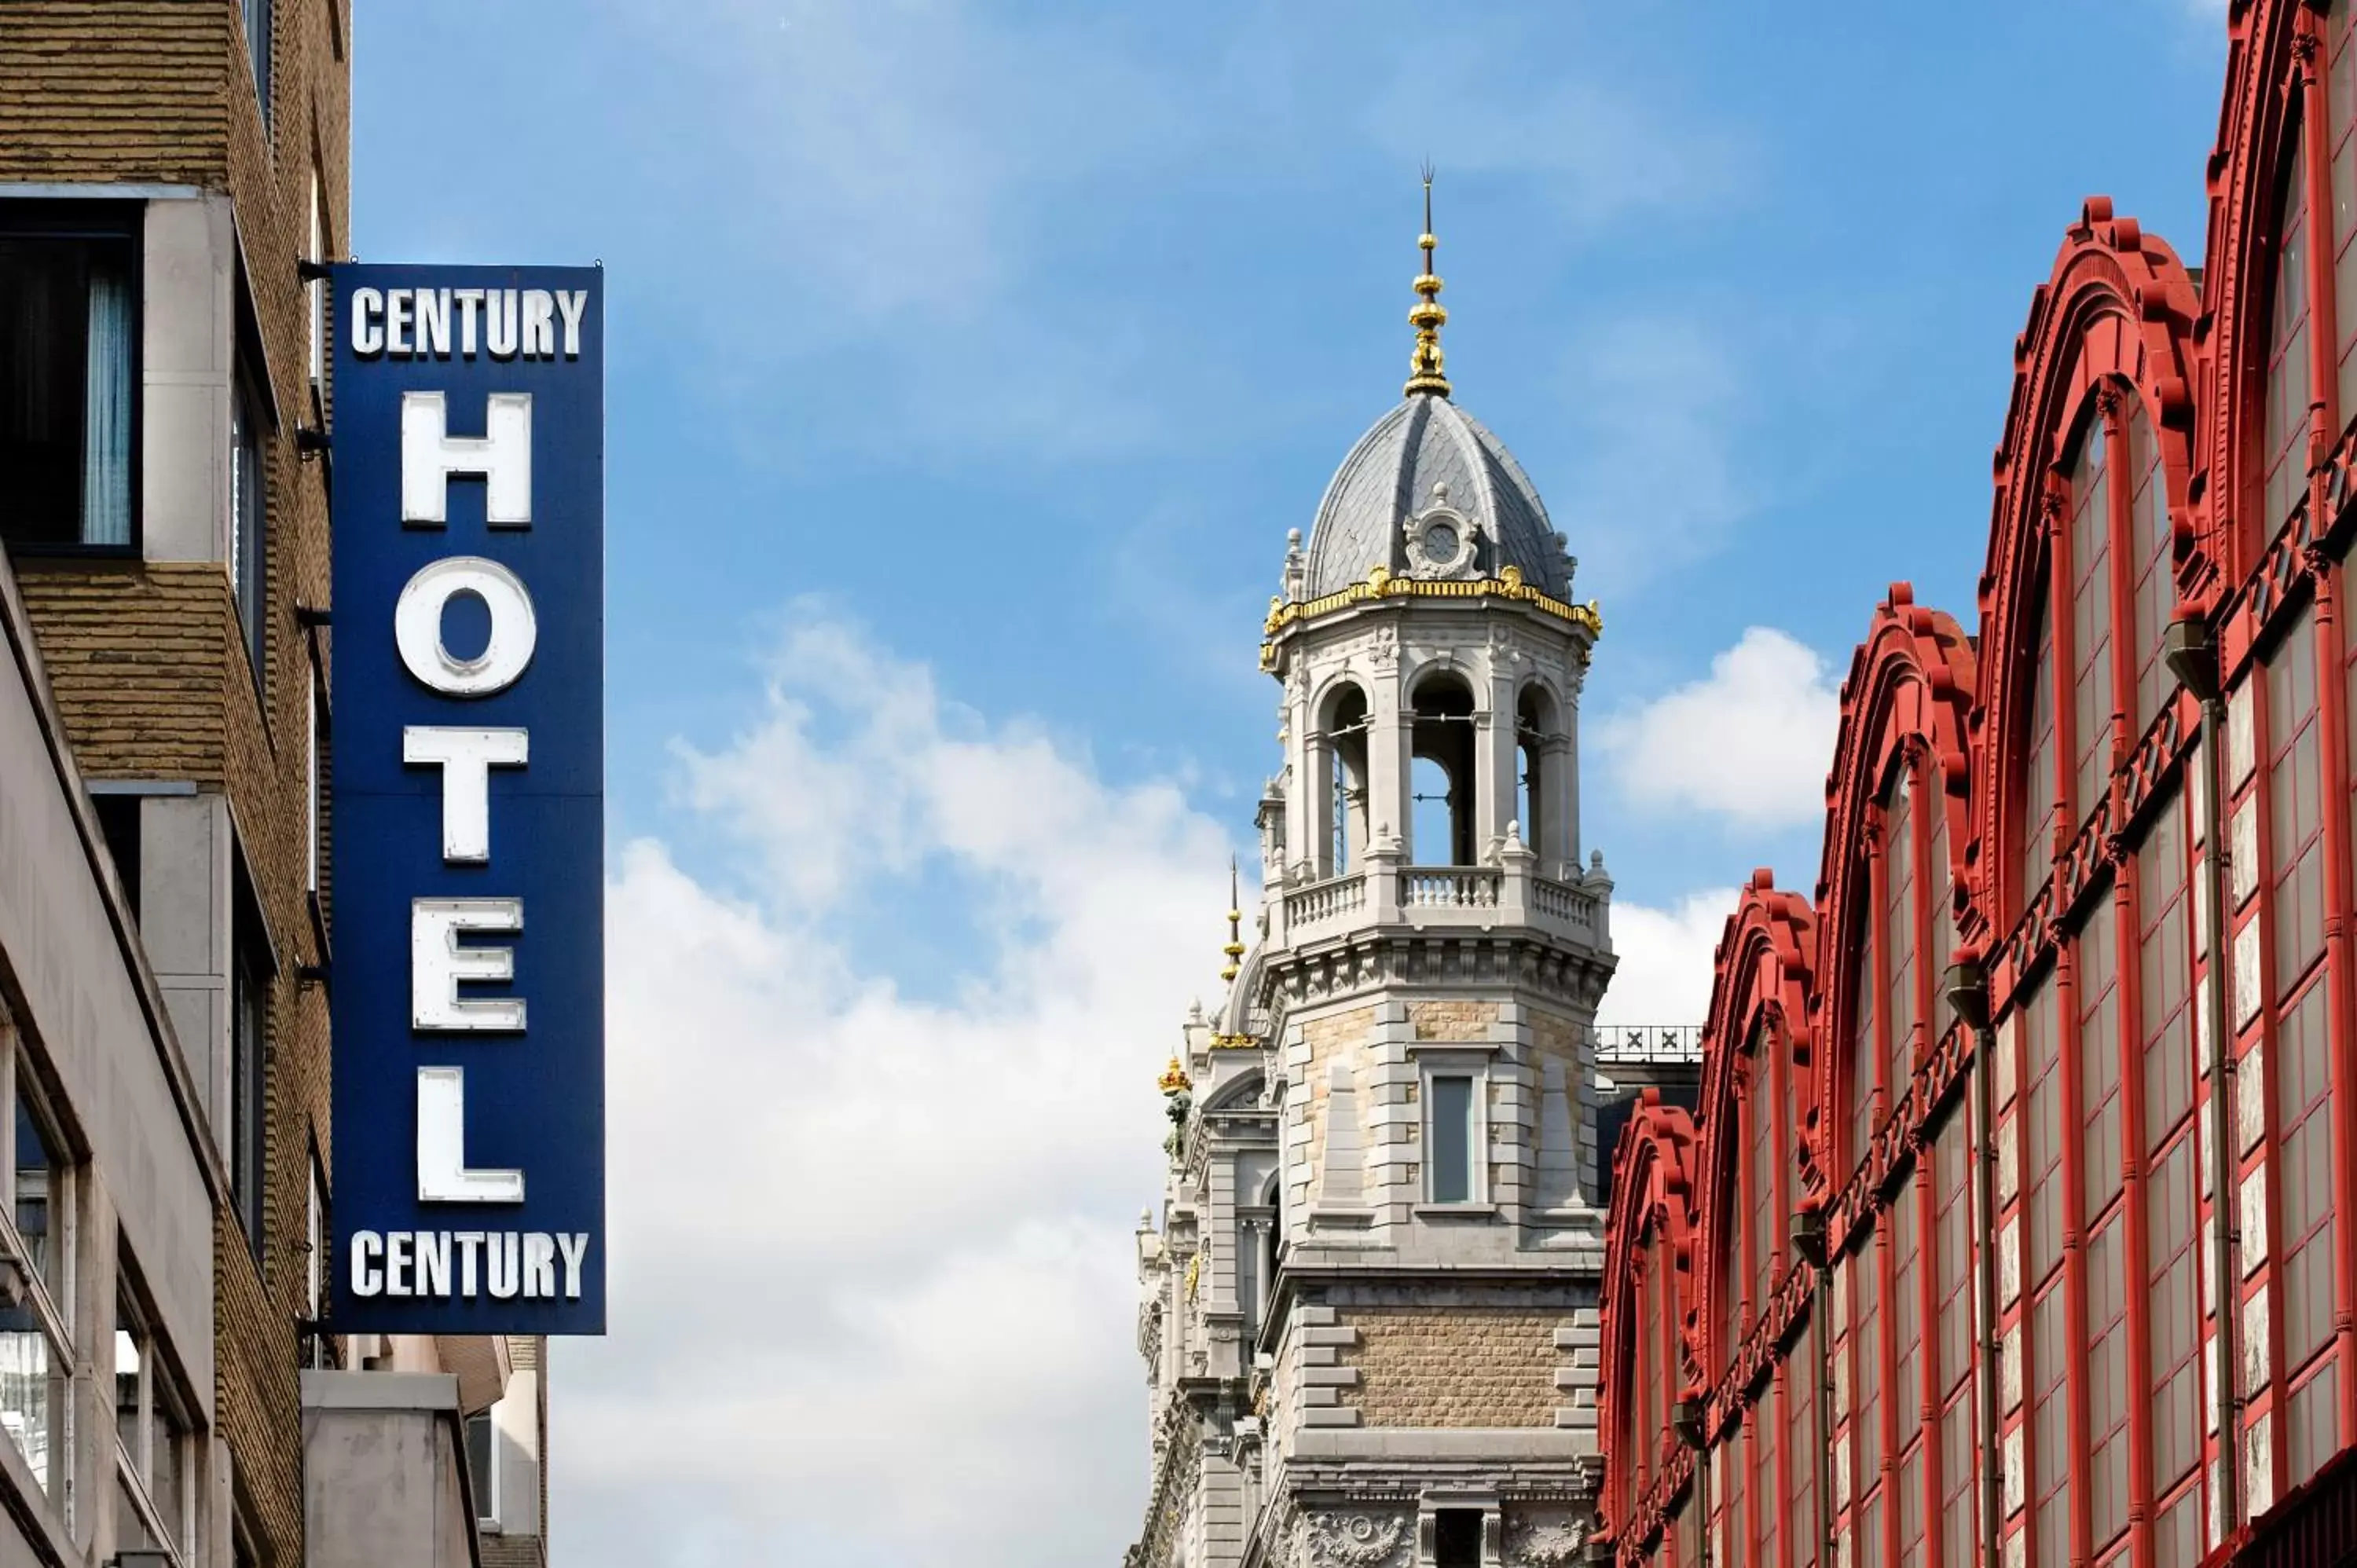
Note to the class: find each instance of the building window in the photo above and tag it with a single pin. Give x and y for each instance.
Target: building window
(2152, 568)
(1862, 1056)
(2090, 621)
(249, 1068)
(1343, 740)
(257, 50)
(1450, 1131)
(249, 543)
(1443, 771)
(2286, 428)
(2050, 1429)
(2303, 1086)
(156, 1495)
(483, 1467)
(315, 1242)
(69, 361)
(37, 1228)
(2038, 780)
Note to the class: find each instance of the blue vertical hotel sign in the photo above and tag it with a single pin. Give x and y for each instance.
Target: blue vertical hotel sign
(467, 974)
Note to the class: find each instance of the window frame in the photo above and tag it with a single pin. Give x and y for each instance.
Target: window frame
(49, 1308)
(1474, 1068)
(88, 219)
(159, 1391)
(487, 1486)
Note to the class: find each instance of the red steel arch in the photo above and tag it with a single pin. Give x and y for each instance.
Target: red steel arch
(2117, 311)
(1650, 1226)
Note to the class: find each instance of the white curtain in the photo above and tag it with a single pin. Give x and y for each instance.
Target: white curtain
(106, 413)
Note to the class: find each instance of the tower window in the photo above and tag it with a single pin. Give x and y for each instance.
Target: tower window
(1342, 742)
(1443, 771)
(1448, 1138)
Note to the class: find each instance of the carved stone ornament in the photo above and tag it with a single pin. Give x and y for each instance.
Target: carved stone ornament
(1385, 651)
(1441, 540)
(1543, 1543)
(1353, 1540)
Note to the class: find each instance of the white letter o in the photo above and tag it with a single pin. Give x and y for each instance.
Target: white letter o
(418, 627)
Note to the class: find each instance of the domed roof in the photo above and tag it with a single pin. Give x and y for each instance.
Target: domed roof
(1424, 453)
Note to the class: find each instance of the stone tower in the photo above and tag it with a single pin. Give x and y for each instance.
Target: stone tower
(1369, 1310)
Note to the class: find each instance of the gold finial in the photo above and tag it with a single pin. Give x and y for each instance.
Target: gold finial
(1235, 948)
(1173, 1078)
(1430, 314)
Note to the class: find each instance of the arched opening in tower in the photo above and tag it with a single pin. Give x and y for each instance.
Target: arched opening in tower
(1441, 772)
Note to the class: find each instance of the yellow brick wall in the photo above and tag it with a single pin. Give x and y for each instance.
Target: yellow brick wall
(1452, 1020)
(1325, 1036)
(116, 90)
(1453, 1366)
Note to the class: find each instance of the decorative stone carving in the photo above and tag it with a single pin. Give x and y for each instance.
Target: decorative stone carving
(1544, 1540)
(1353, 1540)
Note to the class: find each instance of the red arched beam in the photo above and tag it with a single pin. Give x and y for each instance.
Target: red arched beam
(1651, 1224)
(1763, 981)
(1909, 693)
(2119, 308)
(2266, 83)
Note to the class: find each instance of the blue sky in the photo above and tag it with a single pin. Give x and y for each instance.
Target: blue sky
(968, 363)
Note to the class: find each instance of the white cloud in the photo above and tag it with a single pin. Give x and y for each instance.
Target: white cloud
(1750, 742)
(873, 1296)
(873, 1288)
(1665, 956)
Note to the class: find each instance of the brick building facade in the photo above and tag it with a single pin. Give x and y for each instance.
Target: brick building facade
(166, 168)
(2014, 1223)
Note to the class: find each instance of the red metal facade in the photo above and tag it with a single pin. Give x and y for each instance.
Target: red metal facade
(2018, 1221)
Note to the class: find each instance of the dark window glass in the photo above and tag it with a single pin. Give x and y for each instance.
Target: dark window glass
(2295, 806)
(1457, 1539)
(248, 1021)
(249, 523)
(1451, 1151)
(257, 50)
(2038, 778)
(2151, 568)
(2285, 429)
(68, 358)
(2090, 621)
(118, 822)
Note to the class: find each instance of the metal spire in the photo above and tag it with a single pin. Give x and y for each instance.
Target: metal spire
(1427, 317)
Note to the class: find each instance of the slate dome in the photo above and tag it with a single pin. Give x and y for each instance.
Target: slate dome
(1389, 477)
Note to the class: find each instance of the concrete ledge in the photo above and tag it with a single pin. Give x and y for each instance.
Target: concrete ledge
(1439, 1443)
(381, 1390)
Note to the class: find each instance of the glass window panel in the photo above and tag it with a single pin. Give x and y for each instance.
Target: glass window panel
(1898, 932)
(2038, 778)
(66, 374)
(1905, 1312)
(2302, 1072)
(128, 1409)
(2314, 1413)
(2107, 1380)
(40, 1188)
(2341, 84)
(2175, 1313)
(2042, 1127)
(33, 1396)
(1451, 1145)
(2100, 1151)
(2152, 569)
(2050, 1430)
(2286, 427)
(2295, 777)
(2090, 621)
(1862, 1056)
(2165, 974)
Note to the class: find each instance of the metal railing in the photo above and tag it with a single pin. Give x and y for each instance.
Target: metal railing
(1648, 1043)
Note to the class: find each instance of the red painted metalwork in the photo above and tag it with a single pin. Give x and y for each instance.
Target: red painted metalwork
(2192, 496)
